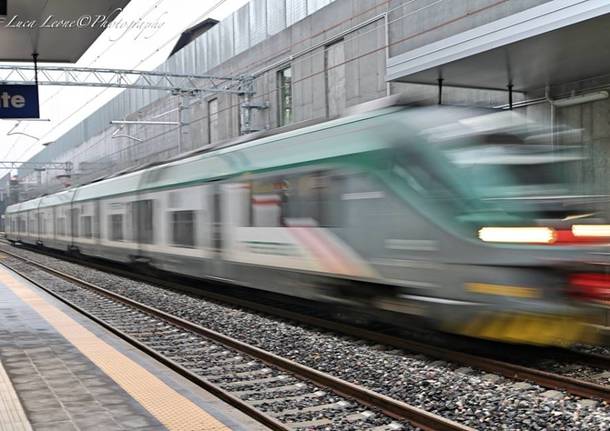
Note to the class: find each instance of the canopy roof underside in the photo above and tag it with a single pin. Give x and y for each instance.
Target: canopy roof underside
(58, 30)
(557, 42)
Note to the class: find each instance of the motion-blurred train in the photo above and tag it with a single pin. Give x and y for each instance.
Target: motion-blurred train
(459, 216)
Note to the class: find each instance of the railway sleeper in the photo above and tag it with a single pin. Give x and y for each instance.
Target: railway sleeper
(340, 405)
(316, 394)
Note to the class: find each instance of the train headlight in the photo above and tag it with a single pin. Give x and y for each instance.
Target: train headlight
(591, 230)
(529, 235)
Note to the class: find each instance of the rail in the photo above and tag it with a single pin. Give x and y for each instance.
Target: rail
(392, 407)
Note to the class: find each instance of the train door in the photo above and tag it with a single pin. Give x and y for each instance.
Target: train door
(74, 233)
(54, 224)
(39, 226)
(217, 225)
(97, 221)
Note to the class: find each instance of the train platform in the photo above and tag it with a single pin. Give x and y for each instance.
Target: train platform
(60, 371)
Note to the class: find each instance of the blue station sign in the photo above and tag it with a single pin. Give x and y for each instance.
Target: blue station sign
(19, 101)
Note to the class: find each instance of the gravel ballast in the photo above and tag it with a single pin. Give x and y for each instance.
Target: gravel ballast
(471, 397)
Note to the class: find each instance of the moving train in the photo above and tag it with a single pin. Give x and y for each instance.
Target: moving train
(454, 215)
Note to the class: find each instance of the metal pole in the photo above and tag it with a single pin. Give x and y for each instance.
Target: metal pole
(547, 96)
(510, 96)
(440, 91)
(35, 57)
(181, 109)
(184, 118)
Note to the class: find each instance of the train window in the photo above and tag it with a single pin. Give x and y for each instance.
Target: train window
(183, 228)
(116, 227)
(87, 225)
(266, 201)
(296, 200)
(142, 221)
(428, 176)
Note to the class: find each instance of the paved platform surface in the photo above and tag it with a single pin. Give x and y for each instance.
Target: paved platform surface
(60, 371)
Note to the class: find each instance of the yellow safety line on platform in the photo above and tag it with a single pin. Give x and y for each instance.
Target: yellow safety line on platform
(12, 416)
(171, 409)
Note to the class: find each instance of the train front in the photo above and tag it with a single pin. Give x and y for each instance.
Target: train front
(523, 253)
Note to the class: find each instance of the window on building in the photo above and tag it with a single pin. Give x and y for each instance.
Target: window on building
(284, 91)
(335, 79)
(212, 121)
(87, 226)
(183, 228)
(116, 227)
(142, 221)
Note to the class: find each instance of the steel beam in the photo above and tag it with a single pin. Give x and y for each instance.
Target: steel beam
(123, 78)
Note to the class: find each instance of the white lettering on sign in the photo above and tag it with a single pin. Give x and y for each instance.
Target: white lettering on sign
(7, 101)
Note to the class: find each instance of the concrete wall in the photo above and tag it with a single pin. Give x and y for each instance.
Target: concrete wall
(592, 120)
(417, 23)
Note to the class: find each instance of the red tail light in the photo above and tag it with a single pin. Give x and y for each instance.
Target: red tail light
(591, 286)
(568, 237)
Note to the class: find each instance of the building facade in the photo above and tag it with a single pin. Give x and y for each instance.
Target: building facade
(312, 59)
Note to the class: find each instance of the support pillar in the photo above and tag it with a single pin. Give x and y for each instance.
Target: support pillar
(440, 91)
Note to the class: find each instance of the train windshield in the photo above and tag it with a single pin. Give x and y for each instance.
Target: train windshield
(495, 169)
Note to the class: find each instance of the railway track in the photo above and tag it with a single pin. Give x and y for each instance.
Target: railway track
(280, 393)
(509, 370)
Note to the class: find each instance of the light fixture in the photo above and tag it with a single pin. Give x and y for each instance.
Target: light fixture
(582, 98)
(531, 235)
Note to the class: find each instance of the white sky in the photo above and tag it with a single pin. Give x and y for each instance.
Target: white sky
(67, 106)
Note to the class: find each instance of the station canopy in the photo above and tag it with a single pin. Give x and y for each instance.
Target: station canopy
(557, 42)
(58, 30)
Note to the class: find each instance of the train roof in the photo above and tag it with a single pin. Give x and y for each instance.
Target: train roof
(313, 143)
(230, 159)
(304, 145)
